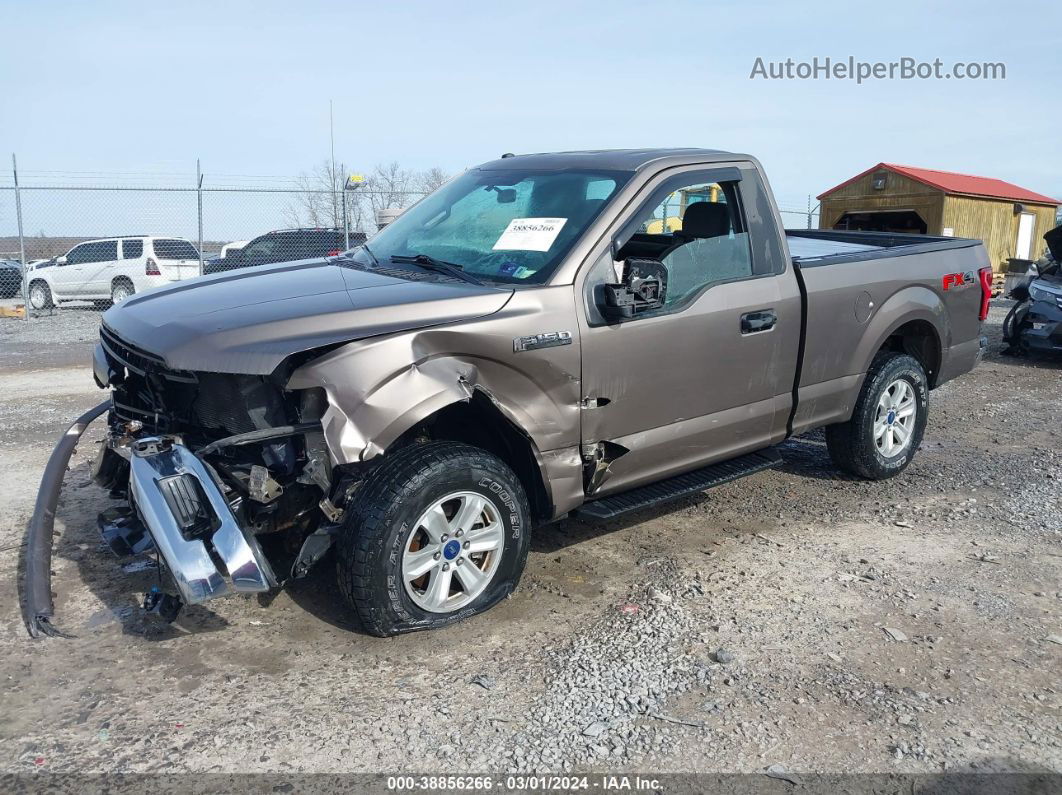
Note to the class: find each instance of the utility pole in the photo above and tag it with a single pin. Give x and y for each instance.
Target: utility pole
(353, 182)
(199, 194)
(332, 141)
(21, 240)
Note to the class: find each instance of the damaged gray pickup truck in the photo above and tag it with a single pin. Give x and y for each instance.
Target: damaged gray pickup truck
(583, 332)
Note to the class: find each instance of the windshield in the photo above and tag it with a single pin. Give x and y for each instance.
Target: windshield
(510, 226)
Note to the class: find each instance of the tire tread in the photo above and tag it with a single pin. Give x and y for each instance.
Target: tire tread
(847, 442)
(366, 528)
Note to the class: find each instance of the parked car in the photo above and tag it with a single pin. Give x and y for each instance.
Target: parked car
(216, 262)
(286, 245)
(10, 278)
(515, 347)
(228, 248)
(1034, 323)
(112, 269)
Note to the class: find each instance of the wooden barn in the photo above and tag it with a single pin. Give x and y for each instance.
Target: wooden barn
(1010, 220)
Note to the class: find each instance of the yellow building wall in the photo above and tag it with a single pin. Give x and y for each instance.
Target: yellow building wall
(994, 222)
(900, 193)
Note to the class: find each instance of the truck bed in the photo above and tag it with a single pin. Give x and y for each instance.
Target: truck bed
(811, 247)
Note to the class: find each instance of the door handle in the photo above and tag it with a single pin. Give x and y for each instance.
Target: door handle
(754, 322)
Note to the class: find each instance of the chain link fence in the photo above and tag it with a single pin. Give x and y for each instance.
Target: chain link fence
(99, 242)
(102, 242)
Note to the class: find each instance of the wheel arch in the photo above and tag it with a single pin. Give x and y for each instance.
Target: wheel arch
(912, 321)
(479, 421)
(917, 338)
(41, 278)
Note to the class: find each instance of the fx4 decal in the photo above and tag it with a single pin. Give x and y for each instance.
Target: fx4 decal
(958, 279)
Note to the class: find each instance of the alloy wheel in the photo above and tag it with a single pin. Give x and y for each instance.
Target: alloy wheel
(453, 552)
(38, 297)
(894, 419)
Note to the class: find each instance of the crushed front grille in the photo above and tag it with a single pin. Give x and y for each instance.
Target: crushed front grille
(206, 405)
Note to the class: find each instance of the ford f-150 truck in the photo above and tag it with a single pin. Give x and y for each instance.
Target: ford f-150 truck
(581, 333)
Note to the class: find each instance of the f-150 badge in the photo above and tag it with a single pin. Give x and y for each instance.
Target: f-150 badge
(550, 339)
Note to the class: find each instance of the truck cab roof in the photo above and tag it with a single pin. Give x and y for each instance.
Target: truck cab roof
(611, 159)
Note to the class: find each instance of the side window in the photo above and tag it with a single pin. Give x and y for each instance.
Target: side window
(320, 243)
(76, 255)
(697, 230)
(132, 249)
(107, 251)
(93, 252)
(291, 246)
(167, 248)
(261, 248)
(88, 253)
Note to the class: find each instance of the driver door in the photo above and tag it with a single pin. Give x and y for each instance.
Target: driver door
(68, 277)
(695, 381)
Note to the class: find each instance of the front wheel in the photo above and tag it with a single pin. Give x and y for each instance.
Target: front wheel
(436, 533)
(40, 297)
(888, 421)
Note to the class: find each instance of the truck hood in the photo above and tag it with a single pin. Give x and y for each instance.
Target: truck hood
(248, 321)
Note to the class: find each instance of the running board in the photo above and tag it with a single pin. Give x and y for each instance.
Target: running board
(678, 486)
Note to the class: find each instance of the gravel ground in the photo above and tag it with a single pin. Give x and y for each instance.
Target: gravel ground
(56, 336)
(794, 618)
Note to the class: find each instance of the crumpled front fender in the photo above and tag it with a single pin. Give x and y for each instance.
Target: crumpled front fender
(378, 388)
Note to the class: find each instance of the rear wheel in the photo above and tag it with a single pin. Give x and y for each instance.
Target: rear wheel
(888, 421)
(40, 296)
(120, 290)
(436, 533)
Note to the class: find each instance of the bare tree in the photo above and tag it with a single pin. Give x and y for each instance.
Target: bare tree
(387, 185)
(432, 179)
(312, 204)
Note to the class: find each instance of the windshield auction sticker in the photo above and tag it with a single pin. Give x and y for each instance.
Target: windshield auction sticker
(530, 234)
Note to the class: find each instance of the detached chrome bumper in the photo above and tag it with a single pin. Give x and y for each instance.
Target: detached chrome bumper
(182, 507)
(176, 495)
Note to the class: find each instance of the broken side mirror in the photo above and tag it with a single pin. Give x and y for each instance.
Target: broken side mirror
(643, 289)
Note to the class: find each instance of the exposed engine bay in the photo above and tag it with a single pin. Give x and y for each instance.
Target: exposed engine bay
(227, 477)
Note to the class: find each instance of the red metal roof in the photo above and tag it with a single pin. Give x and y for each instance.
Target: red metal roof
(950, 182)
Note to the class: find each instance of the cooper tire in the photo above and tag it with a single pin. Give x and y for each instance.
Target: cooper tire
(868, 444)
(40, 296)
(384, 528)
